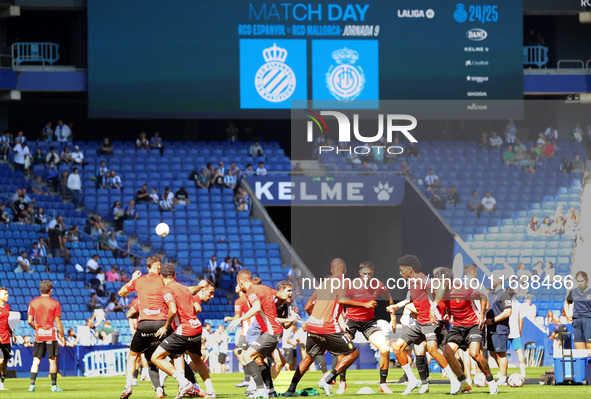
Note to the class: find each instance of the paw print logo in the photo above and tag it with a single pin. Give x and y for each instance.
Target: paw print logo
(383, 191)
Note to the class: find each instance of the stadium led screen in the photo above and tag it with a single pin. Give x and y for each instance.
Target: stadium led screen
(237, 58)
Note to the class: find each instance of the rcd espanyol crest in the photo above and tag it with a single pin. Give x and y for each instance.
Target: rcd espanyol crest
(345, 81)
(275, 81)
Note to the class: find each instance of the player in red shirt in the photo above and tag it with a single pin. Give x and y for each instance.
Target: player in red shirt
(365, 288)
(428, 326)
(6, 335)
(241, 306)
(262, 308)
(132, 318)
(325, 333)
(44, 315)
(186, 338)
(467, 326)
(152, 316)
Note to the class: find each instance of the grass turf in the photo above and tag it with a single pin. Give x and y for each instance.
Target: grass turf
(111, 387)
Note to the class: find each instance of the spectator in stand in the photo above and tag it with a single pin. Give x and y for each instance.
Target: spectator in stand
(106, 147)
(235, 170)
(366, 169)
(75, 187)
(236, 266)
(21, 210)
(143, 195)
(24, 266)
(92, 265)
(26, 198)
(113, 246)
(230, 180)
(489, 204)
(405, 169)
(115, 180)
(47, 132)
(474, 203)
(154, 199)
(256, 150)
(210, 269)
(412, 150)
(548, 150)
(52, 156)
(102, 175)
(522, 271)
(5, 216)
(565, 166)
(518, 146)
(297, 170)
(528, 165)
(249, 171)
(353, 159)
(550, 135)
(40, 217)
(533, 226)
(484, 143)
(113, 275)
(5, 144)
(156, 143)
(142, 143)
(66, 156)
(63, 134)
(37, 187)
(167, 201)
(431, 178)
(550, 271)
(27, 341)
(579, 167)
(538, 269)
(226, 265)
(181, 197)
(546, 227)
(103, 241)
(509, 156)
(38, 158)
(453, 197)
(435, 199)
(508, 271)
(242, 201)
(232, 132)
(77, 156)
(496, 141)
(578, 133)
(510, 132)
(118, 215)
(35, 254)
(21, 154)
(105, 333)
(55, 229)
(130, 211)
(203, 181)
(20, 138)
(113, 304)
(261, 170)
(71, 338)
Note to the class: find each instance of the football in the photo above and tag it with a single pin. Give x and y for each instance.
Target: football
(162, 229)
(515, 380)
(480, 380)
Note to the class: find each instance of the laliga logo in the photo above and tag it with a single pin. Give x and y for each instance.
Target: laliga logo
(345, 132)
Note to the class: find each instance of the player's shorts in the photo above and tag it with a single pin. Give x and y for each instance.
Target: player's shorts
(290, 355)
(339, 343)
(222, 358)
(251, 336)
(176, 344)
(242, 344)
(51, 348)
(5, 351)
(582, 330)
(417, 333)
(144, 340)
(515, 343)
(497, 342)
(365, 327)
(464, 336)
(265, 344)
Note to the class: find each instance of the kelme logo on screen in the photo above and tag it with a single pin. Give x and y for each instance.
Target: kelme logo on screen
(345, 81)
(275, 81)
(392, 122)
(460, 14)
(476, 34)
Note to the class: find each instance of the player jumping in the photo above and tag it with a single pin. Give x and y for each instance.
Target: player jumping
(44, 315)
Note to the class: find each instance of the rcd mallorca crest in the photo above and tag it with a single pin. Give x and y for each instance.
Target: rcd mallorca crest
(345, 81)
(275, 81)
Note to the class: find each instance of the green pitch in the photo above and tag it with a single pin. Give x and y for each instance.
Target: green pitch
(111, 387)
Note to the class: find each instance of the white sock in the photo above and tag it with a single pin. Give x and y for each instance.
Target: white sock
(179, 375)
(209, 386)
(522, 368)
(162, 375)
(251, 384)
(450, 373)
(409, 374)
(503, 378)
(129, 381)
